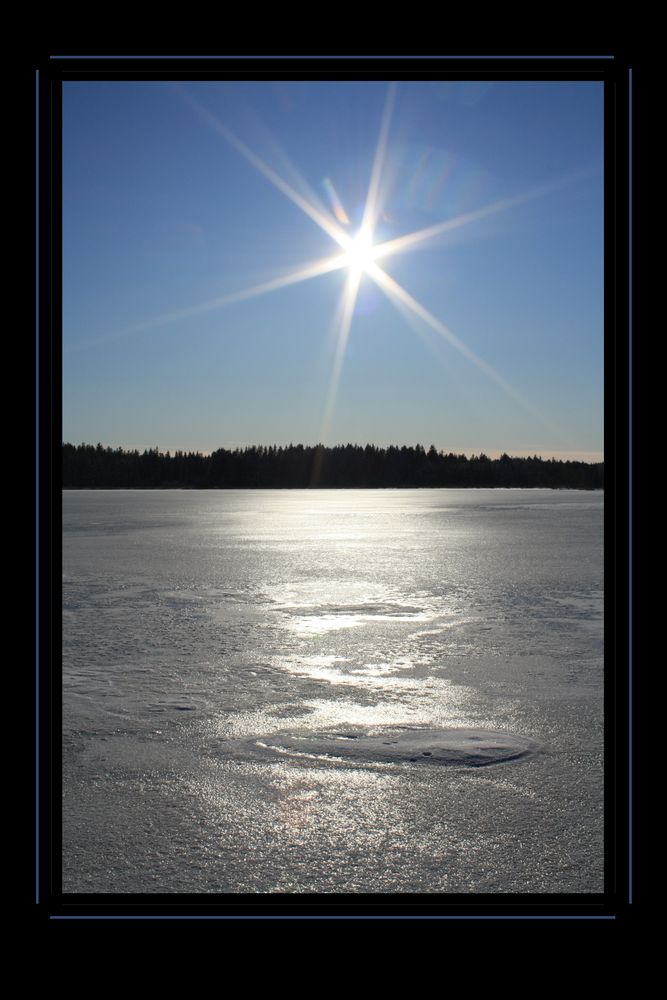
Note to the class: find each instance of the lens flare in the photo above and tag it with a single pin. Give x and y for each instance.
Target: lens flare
(359, 252)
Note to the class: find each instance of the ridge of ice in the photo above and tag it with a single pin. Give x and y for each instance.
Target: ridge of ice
(423, 747)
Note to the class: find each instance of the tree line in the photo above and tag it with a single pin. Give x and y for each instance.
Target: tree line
(88, 466)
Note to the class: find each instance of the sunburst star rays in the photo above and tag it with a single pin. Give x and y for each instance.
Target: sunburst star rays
(311, 269)
(323, 220)
(411, 241)
(397, 294)
(343, 322)
(359, 254)
(372, 205)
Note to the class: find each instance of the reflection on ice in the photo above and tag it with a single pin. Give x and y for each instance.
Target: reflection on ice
(341, 669)
(343, 713)
(272, 615)
(386, 702)
(324, 623)
(330, 622)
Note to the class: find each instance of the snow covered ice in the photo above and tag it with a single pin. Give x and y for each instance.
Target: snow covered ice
(333, 691)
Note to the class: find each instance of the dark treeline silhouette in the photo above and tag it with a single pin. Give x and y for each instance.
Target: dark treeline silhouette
(296, 466)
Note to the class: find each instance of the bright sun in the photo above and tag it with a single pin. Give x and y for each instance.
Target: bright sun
(361, 253)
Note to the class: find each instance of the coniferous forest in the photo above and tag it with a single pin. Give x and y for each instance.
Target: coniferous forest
(299, 466)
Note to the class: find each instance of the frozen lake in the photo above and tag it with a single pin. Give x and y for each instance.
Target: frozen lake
(333, 691)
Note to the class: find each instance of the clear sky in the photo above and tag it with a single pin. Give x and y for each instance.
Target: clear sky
(484, 332)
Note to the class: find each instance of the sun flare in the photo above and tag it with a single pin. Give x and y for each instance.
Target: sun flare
(360, 252)
(357, 253)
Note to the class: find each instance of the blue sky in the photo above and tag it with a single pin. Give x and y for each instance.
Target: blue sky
(485, 336)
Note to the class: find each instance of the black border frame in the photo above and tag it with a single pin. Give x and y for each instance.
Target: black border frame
(617, 901)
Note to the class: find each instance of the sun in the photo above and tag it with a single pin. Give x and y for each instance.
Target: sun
(359, 255)
(360, 252)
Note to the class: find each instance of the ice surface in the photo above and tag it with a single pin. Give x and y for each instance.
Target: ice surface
(212, 680)
(425, 747)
